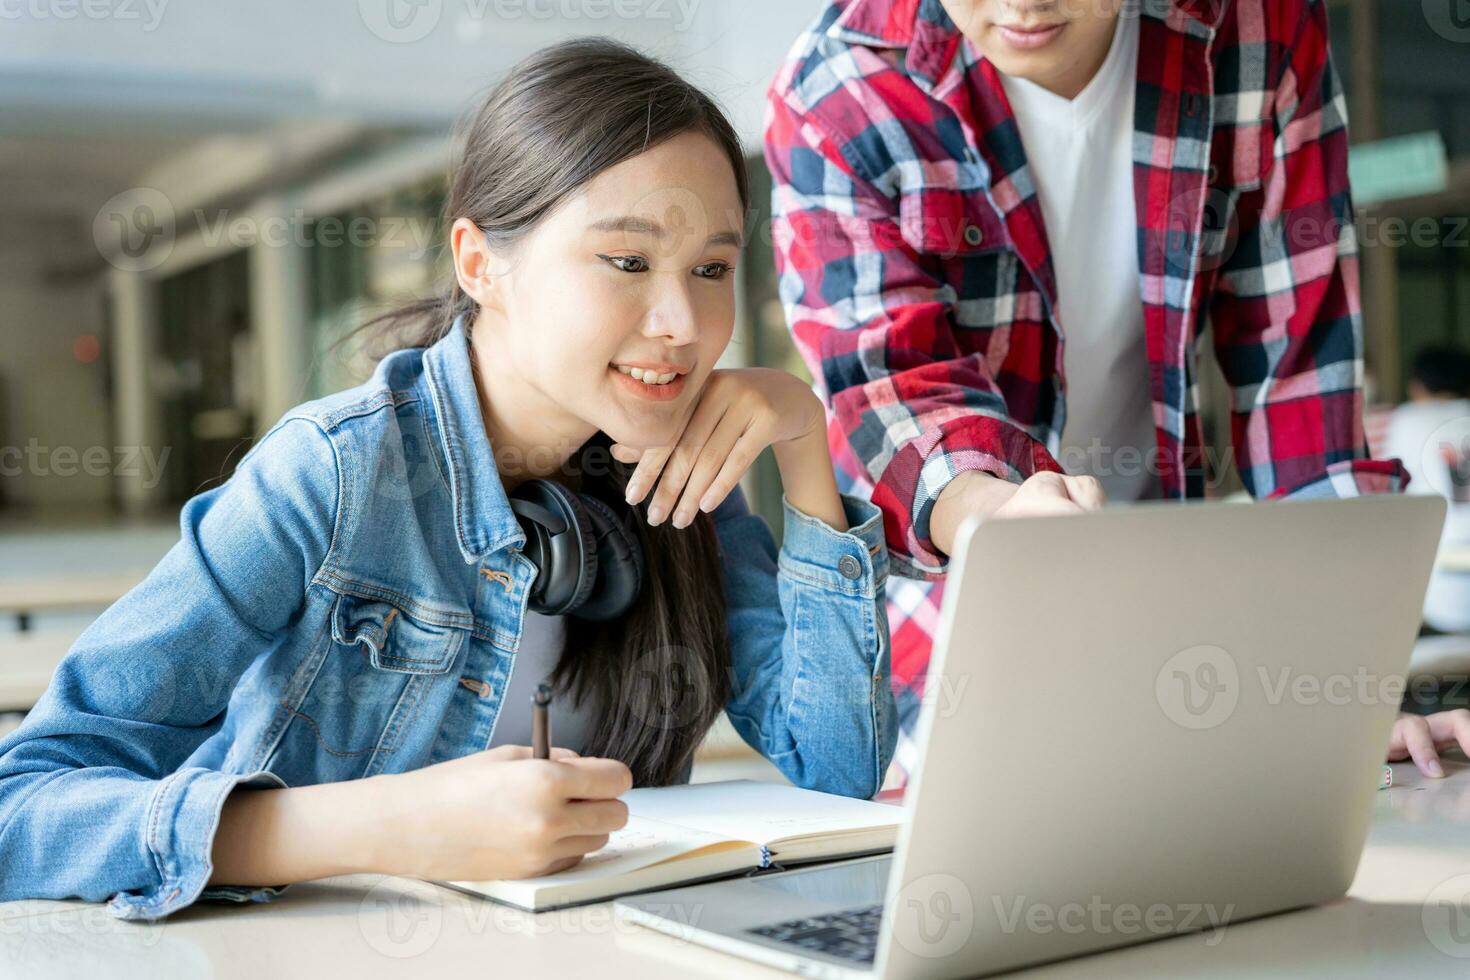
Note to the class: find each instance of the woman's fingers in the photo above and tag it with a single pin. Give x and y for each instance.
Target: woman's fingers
(687, 453)
(575, 847)
(650, 464)
(716, 452)
(555, 866)
(584, 817)
(654, 466)
(732, 468)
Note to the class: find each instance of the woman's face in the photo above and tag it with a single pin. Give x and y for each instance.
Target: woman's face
(616, 306)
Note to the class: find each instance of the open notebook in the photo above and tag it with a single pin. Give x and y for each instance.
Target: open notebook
(680, 834)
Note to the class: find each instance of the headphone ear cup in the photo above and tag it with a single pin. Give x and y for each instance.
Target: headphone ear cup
(619, 563)
(566, 568)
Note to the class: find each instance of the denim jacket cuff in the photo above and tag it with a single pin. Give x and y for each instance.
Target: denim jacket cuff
(182, 822)
(854, 561)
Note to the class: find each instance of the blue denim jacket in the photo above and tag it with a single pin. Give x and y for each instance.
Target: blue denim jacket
(315, 619)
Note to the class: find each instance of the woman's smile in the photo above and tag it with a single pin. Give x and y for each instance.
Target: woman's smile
(649, 383)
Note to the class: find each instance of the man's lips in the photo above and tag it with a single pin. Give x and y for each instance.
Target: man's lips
(1029, 38)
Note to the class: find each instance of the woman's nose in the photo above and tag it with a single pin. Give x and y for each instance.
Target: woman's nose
(672, 316)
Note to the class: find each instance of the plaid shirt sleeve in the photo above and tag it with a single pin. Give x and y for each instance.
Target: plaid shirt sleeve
(875, 326)
(1285, 311)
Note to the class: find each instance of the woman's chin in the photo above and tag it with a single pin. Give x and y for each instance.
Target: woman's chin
(641, 438)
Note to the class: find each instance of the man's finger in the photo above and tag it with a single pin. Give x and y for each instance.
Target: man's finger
(1086, 491)
(1451, 728)
(1421, 747)
(1038, 505)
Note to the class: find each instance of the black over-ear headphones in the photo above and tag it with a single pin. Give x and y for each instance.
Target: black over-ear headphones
(589, 562)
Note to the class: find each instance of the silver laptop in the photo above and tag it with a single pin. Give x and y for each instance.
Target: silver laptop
(1138, 723)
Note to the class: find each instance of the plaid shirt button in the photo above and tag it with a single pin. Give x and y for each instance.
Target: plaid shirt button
(850, 567)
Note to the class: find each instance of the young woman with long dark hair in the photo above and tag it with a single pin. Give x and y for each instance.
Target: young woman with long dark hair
(331, 671)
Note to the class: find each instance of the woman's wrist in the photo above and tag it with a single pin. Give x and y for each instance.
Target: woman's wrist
(282, 836)
(807, 478)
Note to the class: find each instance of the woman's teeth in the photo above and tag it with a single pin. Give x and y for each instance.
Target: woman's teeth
(647, 377)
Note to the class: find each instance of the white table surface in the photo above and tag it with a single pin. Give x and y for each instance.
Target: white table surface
(369, 926)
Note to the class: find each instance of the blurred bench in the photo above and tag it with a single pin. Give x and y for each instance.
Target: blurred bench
(25, 596)
(27, 661)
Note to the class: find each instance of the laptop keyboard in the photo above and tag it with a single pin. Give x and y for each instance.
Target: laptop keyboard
(851, 934)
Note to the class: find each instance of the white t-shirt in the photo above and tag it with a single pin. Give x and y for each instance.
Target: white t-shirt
(1080, 153)
(542, 639)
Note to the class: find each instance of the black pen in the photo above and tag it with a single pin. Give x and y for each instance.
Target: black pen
(541, 722)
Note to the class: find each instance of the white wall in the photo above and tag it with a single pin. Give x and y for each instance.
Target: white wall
(341, 56)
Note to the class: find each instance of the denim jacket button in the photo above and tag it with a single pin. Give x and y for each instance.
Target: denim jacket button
(850, 567)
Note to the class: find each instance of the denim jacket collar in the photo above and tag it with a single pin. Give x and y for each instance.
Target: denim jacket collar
(483, 520)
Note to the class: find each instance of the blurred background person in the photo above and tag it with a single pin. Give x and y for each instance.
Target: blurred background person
(1430, 433)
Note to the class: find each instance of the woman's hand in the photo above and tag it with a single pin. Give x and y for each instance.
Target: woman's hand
(502, 814)
(739, 413)
(1420, 737)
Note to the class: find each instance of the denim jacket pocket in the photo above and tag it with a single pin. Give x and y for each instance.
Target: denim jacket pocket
(419, 643)
(369, 685)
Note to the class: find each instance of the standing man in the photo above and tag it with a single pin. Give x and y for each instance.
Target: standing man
(1003, 229)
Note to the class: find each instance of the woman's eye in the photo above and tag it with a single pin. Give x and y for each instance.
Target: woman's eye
(626, 263)
(713, 270)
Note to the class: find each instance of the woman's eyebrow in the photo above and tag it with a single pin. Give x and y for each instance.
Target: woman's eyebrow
(643, 226)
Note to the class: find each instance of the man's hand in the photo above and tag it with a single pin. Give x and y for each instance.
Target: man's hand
(1420, 737)
(1042, 495)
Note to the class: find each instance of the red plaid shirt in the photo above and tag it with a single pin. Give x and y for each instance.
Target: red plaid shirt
(917, 279)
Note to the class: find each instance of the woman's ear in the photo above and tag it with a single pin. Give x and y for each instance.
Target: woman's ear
(478, 268)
